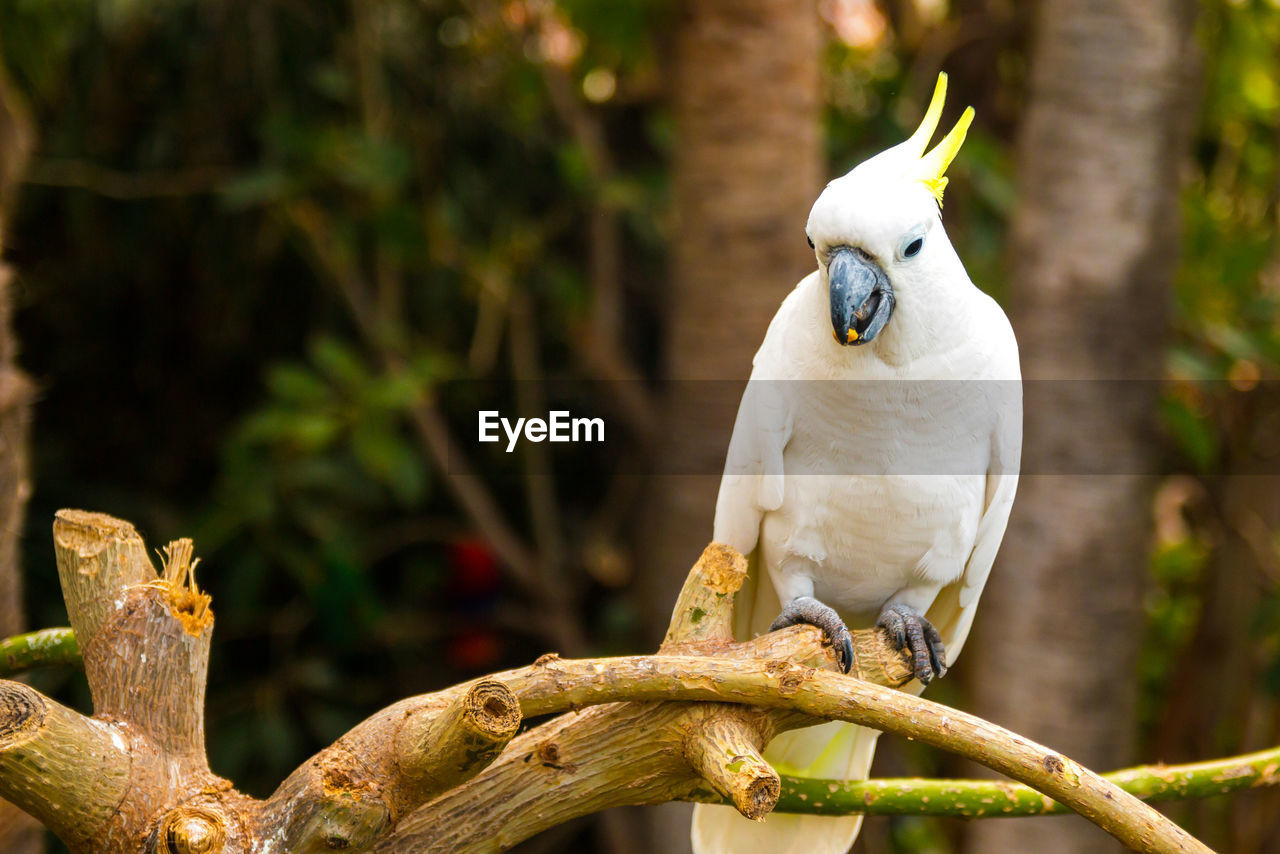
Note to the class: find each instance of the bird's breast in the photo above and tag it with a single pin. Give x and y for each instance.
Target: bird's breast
(861, 539)
(885, 485)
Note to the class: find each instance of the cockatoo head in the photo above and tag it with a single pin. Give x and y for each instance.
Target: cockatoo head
(877, 231)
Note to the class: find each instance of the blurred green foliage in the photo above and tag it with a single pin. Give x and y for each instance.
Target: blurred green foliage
(252, 241)
(1226, 350)
(258, 238)
(1229, 281)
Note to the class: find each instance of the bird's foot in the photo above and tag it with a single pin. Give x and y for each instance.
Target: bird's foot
(811, 612)
(908, 628)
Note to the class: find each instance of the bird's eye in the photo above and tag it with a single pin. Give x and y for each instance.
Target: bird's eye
(913, 248)
(810, 239)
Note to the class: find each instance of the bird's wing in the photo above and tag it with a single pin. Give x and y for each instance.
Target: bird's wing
(754, 481)
(953, 611)
(752, 485)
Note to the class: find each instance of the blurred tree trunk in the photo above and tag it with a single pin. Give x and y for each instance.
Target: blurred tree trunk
(1092, 254)
(748, 166)
(19, 833)
(1240, 518)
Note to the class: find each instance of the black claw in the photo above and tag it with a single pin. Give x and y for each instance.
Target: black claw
(847, 649)
(811, 612)
(896, 626)
(937, 649)
(908, 629)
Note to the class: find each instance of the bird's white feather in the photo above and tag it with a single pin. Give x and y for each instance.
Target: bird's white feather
(925, 454)
(875, 474)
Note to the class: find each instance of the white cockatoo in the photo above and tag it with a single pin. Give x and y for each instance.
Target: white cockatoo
(870, 477)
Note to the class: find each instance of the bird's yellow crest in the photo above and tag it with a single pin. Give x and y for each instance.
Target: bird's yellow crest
(931, 168)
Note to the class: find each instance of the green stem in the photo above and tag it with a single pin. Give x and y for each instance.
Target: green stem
(45, 648)
(996, 799)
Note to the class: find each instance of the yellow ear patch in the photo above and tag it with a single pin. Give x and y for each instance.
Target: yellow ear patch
(931, 168)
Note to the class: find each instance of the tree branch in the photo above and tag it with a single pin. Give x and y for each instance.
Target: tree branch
(45, 648)
(516, 795)
(349, 794)
(145, 637)
(700, 616)
(444, 752)
(725, 751)
(688, 723)
(562, 685)
(68, 771)
(956, 798)
(146, 640)
(995, 799)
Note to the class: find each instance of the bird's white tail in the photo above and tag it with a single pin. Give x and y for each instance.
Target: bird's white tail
(833, 750)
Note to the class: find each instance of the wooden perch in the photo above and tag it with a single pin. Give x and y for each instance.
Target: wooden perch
(58, 765)
(146, 654)
(703, 612)
(907, 796)
(390, 764)
(592, 767)
(587, 751)
(722, 743)
(725, 751)
(139, 772)
(430, 773)
(438, 753)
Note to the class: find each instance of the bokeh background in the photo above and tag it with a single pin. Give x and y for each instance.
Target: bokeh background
(249, 243)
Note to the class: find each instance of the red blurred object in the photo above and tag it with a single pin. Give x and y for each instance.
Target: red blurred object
(473, 567)
(475, 649)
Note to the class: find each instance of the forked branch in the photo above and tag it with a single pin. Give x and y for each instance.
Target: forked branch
(445, 771)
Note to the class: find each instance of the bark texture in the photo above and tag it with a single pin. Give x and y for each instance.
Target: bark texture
(19, 834)
(1092, 255)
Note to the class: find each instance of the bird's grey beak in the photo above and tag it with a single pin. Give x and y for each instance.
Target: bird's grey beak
(861, 296)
